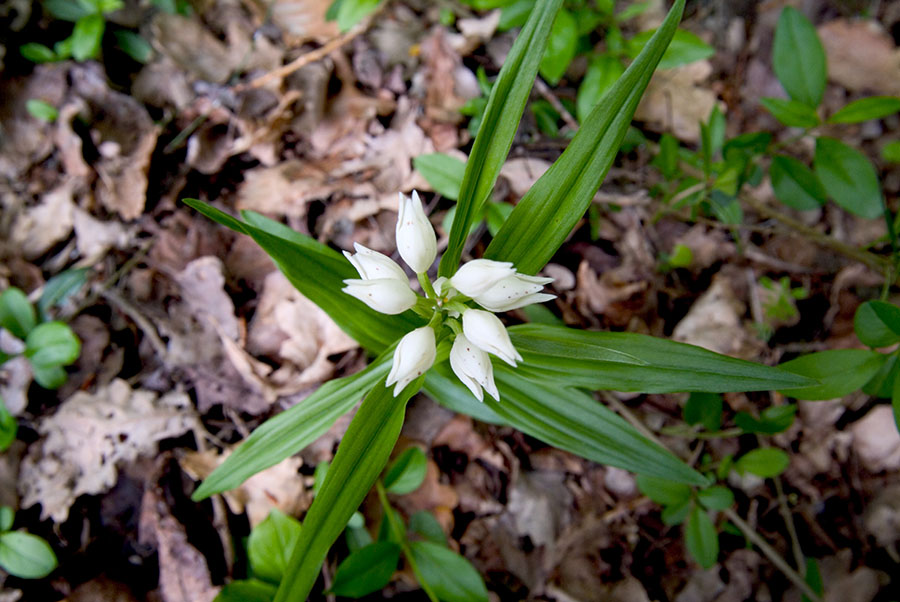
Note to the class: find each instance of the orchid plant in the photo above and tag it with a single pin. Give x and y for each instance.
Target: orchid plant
(441, 342)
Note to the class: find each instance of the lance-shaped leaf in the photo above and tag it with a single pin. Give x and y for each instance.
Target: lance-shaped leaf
(498, 126)
(289, 432)
(622, 361)
(318, 272)
(547, 213)
(571, 420)
(362, 454)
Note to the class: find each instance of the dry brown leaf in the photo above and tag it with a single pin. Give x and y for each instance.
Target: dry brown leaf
(714, 322)
(616, 294)
(279, 486)
(15, 378)
(39, 228)
(861, 56)
(90, 435)
(94, 237)
(202, 284)
(522, 173)
(193, 47)
(24, 141)
(876, 440)
(303, 20)
(676, 101)
(183, 573)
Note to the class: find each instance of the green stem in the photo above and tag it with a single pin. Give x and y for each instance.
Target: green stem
(427, 286)
(400, 536)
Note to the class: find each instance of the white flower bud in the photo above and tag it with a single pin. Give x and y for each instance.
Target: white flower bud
(473, 368)
(373, 265)
(415, 236)
(514, 292)
(476, 277)
(386, 295)
(414, 355)
(487, 332)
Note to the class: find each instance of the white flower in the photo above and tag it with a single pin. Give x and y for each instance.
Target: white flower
(373, 265)
(487, 332)
(414, 355)
(514, 292)
(386, 295)
(473, 367)
(415, 236)
(476, 277)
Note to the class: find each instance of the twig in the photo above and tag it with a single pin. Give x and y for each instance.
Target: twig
(545, 91)
(772, 554)
(143, 323)
(628, 415)
(305, 59)
(788, 518)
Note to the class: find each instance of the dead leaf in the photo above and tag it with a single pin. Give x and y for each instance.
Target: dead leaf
(90, 435)
(522, 173)
(202, 283)
(303, 20)
(183, 573)
(677, 101)
(876, 440)
(15, 378)
(193, 47)
(94, 238)
(279, 486)
(861, 56)
(714, 322)
(40, 227)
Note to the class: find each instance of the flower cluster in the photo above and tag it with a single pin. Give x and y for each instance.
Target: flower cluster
(495, 286)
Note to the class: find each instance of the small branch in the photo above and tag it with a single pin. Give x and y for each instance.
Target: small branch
(548, 95)
(142, 322)
(788, 518)
(305, 59)
(628, 415)
(772, 554)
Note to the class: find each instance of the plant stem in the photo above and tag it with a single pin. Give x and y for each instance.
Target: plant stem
(400, 535)
(788, 518)
(772, 554)
(425, 281)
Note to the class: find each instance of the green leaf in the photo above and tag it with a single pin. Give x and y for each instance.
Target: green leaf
(895, 402)
(716, 497)
(676, 513)
(7, 516)
(9, 426)
(663, 491)
(52, 344)
(764, 462)
(318, 272)
(67, 10)
(387, 533)
(37, 53)
(59, 288)
(622, 361)
(685, 48)
(247, 590)
(362, 454)
(134, 45)
(705, 409)
(506, 103)
(444, 387)
(450, 576)
(367, 570)
(772, 420)
(271, 544)
(796, 185)
(882, 384)
(849, 178)
(425, 524)
(87, 36)
(406, 473)
(873, 107)
(813, 578)
(41, 110)
(877, 324)
(25, 555)
(497, 213)
(351, 12)
(560, 48)
(292, 430)
(701, 538)
(16, 313)
(601, 74)
(49, 377)
(798, 58)
(357, 538)
(515, 14)
(443, 172)
(891, 152)
(571, 420)
(839, 372)
(791, 113)
(545, 216)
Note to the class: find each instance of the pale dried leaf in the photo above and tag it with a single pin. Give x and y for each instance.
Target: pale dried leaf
(39, 228)
(876, 440)
(94, 237)
(714, 321)
(861, 56)
(676, 101)
(522, 173)
(303, 20)
(90, 435)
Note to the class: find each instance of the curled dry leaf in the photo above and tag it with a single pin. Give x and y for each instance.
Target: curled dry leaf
(676, 101)
(303, 20)
(279, 486)
(39, 228)
(522, 173)
(714, 322)
(90, 435)
(862, 57)
(876, 440)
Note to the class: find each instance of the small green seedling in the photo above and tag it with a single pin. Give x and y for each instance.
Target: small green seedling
(23, 554)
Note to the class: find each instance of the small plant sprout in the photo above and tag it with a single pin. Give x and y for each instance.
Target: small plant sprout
(494, 285)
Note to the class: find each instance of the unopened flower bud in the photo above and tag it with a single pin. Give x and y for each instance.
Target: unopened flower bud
(416, 241)
(487, 332)
(479, 275)
(514, 292)
(373, 265)
(473, 368)
(385, 295)
(414, 355)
